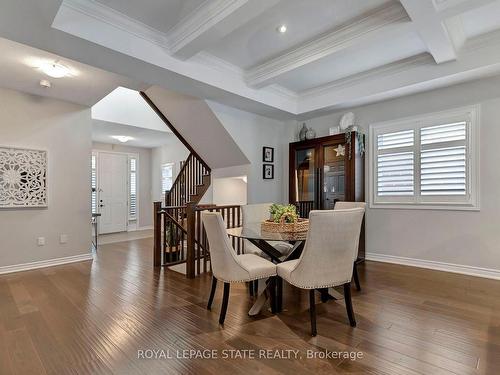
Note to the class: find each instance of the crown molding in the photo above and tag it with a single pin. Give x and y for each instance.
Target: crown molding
(383, 71)
(217, 63)
(205, 16)
(118, 20)
(327, 44)
(282, 91)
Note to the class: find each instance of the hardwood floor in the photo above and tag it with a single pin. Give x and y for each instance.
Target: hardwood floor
(94, 317)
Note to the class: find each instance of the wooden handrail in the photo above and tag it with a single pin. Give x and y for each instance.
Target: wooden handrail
(172, 207)
(173, 129)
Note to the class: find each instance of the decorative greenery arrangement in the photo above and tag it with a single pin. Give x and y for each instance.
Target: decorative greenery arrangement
(284, 213)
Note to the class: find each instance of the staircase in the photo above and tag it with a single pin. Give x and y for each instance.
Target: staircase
(175, 227)
(193, 179)
(190, 184)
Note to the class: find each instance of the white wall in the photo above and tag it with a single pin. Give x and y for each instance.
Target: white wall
(172, 152)
(145, 214)
(63, 129)
(251, 132)
(125, 106)
(229, 191)
(195, 121)
(457, 237)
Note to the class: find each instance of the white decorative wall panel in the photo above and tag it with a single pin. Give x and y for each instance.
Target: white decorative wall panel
(23, 178)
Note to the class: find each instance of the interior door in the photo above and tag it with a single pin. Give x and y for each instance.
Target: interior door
(112, 188)
(333, 182)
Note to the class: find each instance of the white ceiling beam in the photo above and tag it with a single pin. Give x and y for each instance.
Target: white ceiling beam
(210, 22)
(378, 24)
(432, 29)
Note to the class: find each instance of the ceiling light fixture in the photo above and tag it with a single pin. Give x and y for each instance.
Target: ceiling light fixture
(281, 29)
(122, 138)
(55, 69)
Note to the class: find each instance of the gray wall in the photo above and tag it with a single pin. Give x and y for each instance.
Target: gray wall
(251, 132)
(456, 237)
(145, 214)
(63, 129)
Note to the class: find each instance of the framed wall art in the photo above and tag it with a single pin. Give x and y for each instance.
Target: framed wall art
(23, 178)
(267, 154)
(268, 171)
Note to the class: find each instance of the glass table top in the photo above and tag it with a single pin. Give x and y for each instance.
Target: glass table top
(252, 231)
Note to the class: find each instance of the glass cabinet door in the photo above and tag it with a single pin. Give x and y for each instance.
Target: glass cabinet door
(333, 175)
(305, 180)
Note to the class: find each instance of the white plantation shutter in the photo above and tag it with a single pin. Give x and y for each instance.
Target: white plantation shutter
(133, 188)
(396, 140)
(443, 157)
(429, 161)
(395, 163)
(94, 183)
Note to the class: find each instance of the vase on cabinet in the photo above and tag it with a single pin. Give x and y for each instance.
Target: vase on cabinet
(310, 134)
(303, 132)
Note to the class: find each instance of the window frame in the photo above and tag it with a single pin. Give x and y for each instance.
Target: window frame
(172, 165)
(129, 186)
(469, 114)
(94, 206)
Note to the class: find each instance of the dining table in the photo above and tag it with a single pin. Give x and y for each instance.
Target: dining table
(262, 239)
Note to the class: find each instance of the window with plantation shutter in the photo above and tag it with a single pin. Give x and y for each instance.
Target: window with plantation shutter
(132, 188)
(395, 163)
(426, 162)
(94, 183)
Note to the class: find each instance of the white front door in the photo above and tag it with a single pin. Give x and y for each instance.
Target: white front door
(113, 199)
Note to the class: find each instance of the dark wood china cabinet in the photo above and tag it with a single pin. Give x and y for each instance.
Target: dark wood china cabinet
(326, 170)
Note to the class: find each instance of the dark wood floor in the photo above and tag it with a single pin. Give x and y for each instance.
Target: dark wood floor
(92, 318)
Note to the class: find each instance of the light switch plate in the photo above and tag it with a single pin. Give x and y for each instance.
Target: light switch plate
(40, 241)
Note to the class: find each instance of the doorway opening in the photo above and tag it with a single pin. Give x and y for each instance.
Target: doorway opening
(131, 149)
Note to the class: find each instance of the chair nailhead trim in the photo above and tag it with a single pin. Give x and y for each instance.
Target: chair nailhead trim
(318, 287)
(245, 280)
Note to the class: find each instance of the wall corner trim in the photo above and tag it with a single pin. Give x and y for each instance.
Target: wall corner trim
(45, 263)
(488, 273)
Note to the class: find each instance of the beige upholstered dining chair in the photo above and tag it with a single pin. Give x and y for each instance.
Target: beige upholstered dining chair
(326, 261)
(229, 267)
(255, 213)
(342, 205)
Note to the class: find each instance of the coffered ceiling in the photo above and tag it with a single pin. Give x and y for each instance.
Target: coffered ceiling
(334, 54)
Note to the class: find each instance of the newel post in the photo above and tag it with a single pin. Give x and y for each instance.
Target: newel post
(157, 251)
(191, 227)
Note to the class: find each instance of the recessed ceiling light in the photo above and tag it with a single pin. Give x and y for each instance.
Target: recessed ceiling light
(281, 29)
(122, 138)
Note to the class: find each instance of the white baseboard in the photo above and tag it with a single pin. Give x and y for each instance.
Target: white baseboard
(433, 265)
(45, 263)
